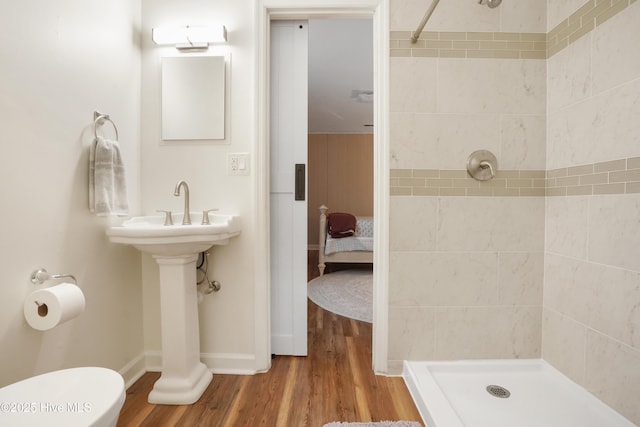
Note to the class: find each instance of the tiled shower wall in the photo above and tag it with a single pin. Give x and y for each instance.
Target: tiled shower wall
(472, 272)
(466, 261)
(591, 314)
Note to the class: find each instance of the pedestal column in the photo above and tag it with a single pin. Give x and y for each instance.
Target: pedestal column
(184, 377)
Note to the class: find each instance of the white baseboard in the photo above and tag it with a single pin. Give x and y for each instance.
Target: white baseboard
(230, 363)
(219, 363)
(132, 371)
(153, 361)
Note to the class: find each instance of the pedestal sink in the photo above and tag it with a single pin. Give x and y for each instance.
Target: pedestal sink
(175, 248)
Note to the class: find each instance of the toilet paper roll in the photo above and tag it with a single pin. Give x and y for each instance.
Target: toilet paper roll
(47, 308)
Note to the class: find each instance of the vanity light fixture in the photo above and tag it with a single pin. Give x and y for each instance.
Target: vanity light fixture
(185, 38)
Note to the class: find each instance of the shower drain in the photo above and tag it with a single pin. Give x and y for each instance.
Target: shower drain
(498, 391)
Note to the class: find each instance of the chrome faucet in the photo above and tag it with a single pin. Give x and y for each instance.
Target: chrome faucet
(186, 219)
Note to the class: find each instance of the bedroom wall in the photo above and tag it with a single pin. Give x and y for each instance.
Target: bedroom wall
(591, 320)
(466, 259)
(61, 60)
(340, 177)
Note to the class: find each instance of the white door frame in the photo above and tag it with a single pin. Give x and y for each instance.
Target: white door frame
(378, 10)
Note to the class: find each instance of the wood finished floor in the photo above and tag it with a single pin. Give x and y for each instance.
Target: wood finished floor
(335, 382)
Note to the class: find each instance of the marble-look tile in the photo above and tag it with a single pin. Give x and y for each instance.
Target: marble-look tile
(614, 230)
(561, 289)
(616, 50)
(604, 298)
(523, 16)
(507, 224)
(442, 141)
(488, 332)
(558, 11)
(443, 279)
(413, 85)
(411, 333)
(563, 344)
(492, 86)
(598, 129)
(523, 142)
(457, 136)
(412, 143)
(412, 225)
(616, 123)
(450, 15)
(407, 283)
(566, 225)
(569, 74)
(395, 367)
(613, 374)
(520, 278)
(569, 135)
(405, 15)
(461, 15)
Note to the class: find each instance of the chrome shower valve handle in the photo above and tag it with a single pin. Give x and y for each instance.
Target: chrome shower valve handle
(485, 164)
(482, 165)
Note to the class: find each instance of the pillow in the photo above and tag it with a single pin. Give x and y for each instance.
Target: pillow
(341, 224)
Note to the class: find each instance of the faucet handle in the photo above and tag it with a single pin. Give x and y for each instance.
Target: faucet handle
(168, 218)
(205, 216)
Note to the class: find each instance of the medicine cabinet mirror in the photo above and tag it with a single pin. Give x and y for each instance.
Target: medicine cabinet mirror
(193, 97)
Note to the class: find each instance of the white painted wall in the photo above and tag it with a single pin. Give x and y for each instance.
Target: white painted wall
(61, 60)
(226, 317)
(340, 62)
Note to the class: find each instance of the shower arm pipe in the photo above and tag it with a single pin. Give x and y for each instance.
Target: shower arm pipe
(416, 34)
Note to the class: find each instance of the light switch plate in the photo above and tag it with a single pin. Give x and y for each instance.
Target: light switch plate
(238, 163)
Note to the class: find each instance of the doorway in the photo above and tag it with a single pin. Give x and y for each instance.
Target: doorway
(268, 10)
(340, 119)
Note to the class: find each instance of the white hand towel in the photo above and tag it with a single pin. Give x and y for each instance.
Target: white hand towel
(107, 181)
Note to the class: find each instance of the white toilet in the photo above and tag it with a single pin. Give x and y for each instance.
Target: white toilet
(70, 397)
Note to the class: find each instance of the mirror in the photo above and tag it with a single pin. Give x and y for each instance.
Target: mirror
(193, 97)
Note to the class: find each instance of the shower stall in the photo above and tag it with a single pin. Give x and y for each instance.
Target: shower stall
(523, 284)
(503, 393)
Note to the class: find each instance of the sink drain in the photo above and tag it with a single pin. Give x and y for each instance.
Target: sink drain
(498, 391)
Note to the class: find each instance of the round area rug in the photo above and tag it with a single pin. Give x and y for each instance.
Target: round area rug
(348, 293)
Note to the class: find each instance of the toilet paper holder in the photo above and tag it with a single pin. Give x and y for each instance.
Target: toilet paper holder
(41, 275)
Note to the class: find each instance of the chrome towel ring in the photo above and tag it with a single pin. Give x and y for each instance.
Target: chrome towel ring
(99, 119)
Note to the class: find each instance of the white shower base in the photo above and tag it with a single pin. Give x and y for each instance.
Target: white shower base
(453, 394)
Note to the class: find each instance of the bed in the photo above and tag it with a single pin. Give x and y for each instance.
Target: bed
(354, 249)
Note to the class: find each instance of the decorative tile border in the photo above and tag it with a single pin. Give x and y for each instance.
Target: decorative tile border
(613, 177)
(582, 21)
(469, 45)
(435, 182)
(499, 45)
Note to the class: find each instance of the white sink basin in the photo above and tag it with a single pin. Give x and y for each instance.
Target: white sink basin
(149, 234)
